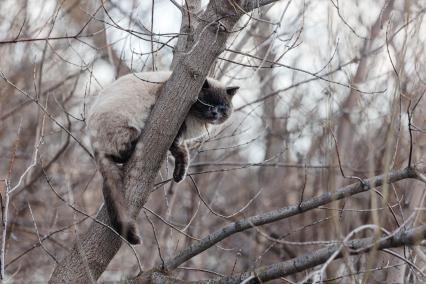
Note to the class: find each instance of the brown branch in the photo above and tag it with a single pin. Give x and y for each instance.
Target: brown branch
(285, 212)
(20, 40)
(309, 260)
(312, 259)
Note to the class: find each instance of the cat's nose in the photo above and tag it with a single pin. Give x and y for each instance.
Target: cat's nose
(215, 113)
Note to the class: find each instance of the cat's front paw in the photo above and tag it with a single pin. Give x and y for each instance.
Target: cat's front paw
(179, 173)
(132, 235)
(130, 232)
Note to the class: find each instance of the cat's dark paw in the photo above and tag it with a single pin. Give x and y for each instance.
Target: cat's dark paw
(129, 231)
(179, 174)
(132, 235)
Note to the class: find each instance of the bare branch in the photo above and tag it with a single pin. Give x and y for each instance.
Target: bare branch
(286, 212)
(312, 259)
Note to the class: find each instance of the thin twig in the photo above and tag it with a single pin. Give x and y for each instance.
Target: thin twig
(38, 234)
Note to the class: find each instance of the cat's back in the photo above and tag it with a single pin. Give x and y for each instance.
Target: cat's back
(130, 96)
(138, 87)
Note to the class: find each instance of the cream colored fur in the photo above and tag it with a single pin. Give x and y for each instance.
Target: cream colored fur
(130, 100)
(116, 120)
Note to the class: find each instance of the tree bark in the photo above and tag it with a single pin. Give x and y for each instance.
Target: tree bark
(187, 28)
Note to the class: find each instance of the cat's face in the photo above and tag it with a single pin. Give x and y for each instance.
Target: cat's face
(214, 104)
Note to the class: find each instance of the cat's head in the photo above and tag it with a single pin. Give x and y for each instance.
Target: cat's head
(214, 103)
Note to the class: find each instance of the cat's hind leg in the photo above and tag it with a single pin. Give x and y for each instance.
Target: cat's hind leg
(115, 144)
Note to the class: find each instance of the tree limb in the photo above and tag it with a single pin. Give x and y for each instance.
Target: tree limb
(301, 263)
(285, 212)
(312, 259)
(189, 22)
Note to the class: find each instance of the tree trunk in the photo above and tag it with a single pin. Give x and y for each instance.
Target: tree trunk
(93, 251)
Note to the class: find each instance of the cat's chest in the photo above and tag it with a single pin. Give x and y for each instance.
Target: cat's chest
(195, 128)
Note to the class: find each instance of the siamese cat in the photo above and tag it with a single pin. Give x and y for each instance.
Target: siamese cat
(117, 119)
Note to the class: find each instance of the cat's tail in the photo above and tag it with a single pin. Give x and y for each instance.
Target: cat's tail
(114, 199)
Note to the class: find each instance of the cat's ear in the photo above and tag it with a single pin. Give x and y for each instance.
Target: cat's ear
(231, 91)
(206, 84)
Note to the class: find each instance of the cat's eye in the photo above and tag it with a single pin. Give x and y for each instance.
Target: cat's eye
(222, 108)
(206, 104)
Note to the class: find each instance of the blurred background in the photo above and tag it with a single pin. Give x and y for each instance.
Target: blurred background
(327, 88)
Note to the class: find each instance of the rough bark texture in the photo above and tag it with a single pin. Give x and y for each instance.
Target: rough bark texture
(187, 28)
(95, 249)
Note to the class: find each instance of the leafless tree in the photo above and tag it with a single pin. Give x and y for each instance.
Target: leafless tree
(319, 176)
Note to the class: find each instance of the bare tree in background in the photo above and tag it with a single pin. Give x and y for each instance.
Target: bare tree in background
(319, 177)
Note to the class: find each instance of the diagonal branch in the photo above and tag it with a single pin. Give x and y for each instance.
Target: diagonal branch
(312, 259)
(301, 263)
(285, 212)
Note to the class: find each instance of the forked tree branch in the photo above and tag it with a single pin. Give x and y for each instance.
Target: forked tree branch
(301, 263)
(93, 251)
(280, 214)
(320, 256)
(189, 10)
(286, 212)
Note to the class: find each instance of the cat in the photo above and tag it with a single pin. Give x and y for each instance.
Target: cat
(117, 119)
